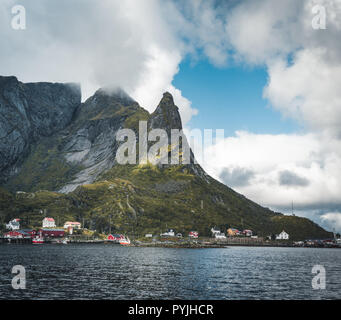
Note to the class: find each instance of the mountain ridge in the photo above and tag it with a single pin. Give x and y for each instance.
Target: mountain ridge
(75, 164)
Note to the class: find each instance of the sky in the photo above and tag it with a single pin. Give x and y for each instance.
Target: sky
(230, 98)
(259, 69)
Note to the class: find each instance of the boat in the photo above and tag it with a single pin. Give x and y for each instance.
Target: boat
(65, 241)
(38, 240)
(125, 241)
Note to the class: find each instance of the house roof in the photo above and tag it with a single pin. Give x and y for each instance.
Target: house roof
(49, 219)
(18, 232)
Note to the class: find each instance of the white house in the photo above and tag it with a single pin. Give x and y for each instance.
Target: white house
(169, 233)
(247, 233)
(282, 236)
(74, 225)
(13, 225)
(220, 236)
(215, 231)
(49, 223)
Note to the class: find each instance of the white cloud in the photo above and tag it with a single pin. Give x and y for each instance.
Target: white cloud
(313, 159)
(333, 220)
(304, 64)
(105, 43)
(308, 90)
(262, 30)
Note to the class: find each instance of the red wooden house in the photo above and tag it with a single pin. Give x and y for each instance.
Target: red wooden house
(115, 237)
(52, 233)
(193, 234)
(17, 235)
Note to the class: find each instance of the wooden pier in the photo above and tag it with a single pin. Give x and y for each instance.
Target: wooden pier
(15, 240)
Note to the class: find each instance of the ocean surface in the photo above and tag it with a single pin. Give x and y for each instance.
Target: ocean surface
(113, 272)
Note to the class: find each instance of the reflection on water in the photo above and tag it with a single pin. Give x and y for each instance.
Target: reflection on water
(114, 272)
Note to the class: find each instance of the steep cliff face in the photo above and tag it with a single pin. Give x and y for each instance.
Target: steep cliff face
(78, 153)
(30, 111)
(90, 142)
(166, 115)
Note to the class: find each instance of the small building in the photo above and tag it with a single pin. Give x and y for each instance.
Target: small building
(69, 230)
(49, 223)
(148, 235)
(233, 232)
(115, 237)
(282, 236)
(169, 233)
(194, 234)
(17, 234)
(220, 236)
(215, 231)
(72, 224)
(52, 233)
(31, 232)
(247, 233)
(13, 224)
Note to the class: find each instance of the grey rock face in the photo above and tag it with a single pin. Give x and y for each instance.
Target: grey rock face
(77, 141)
(93, 147)
(166, 116)
(92, 143)
(29, 111)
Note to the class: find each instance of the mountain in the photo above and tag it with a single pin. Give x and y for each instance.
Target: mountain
(58, 157)
(27, 113)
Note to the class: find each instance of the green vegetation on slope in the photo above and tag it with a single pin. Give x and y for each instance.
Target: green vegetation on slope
(147, 199)
(44, 168)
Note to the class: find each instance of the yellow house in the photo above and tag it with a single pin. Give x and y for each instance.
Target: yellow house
(232, 232)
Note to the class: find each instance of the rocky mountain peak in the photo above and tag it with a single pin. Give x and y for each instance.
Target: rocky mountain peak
(8, 81)
(109, 95)
(166, 116)
(105, 103)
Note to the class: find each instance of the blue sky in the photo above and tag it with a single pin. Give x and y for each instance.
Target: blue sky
(230, 98)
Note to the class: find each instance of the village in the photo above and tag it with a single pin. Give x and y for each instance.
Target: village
(72, 232)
